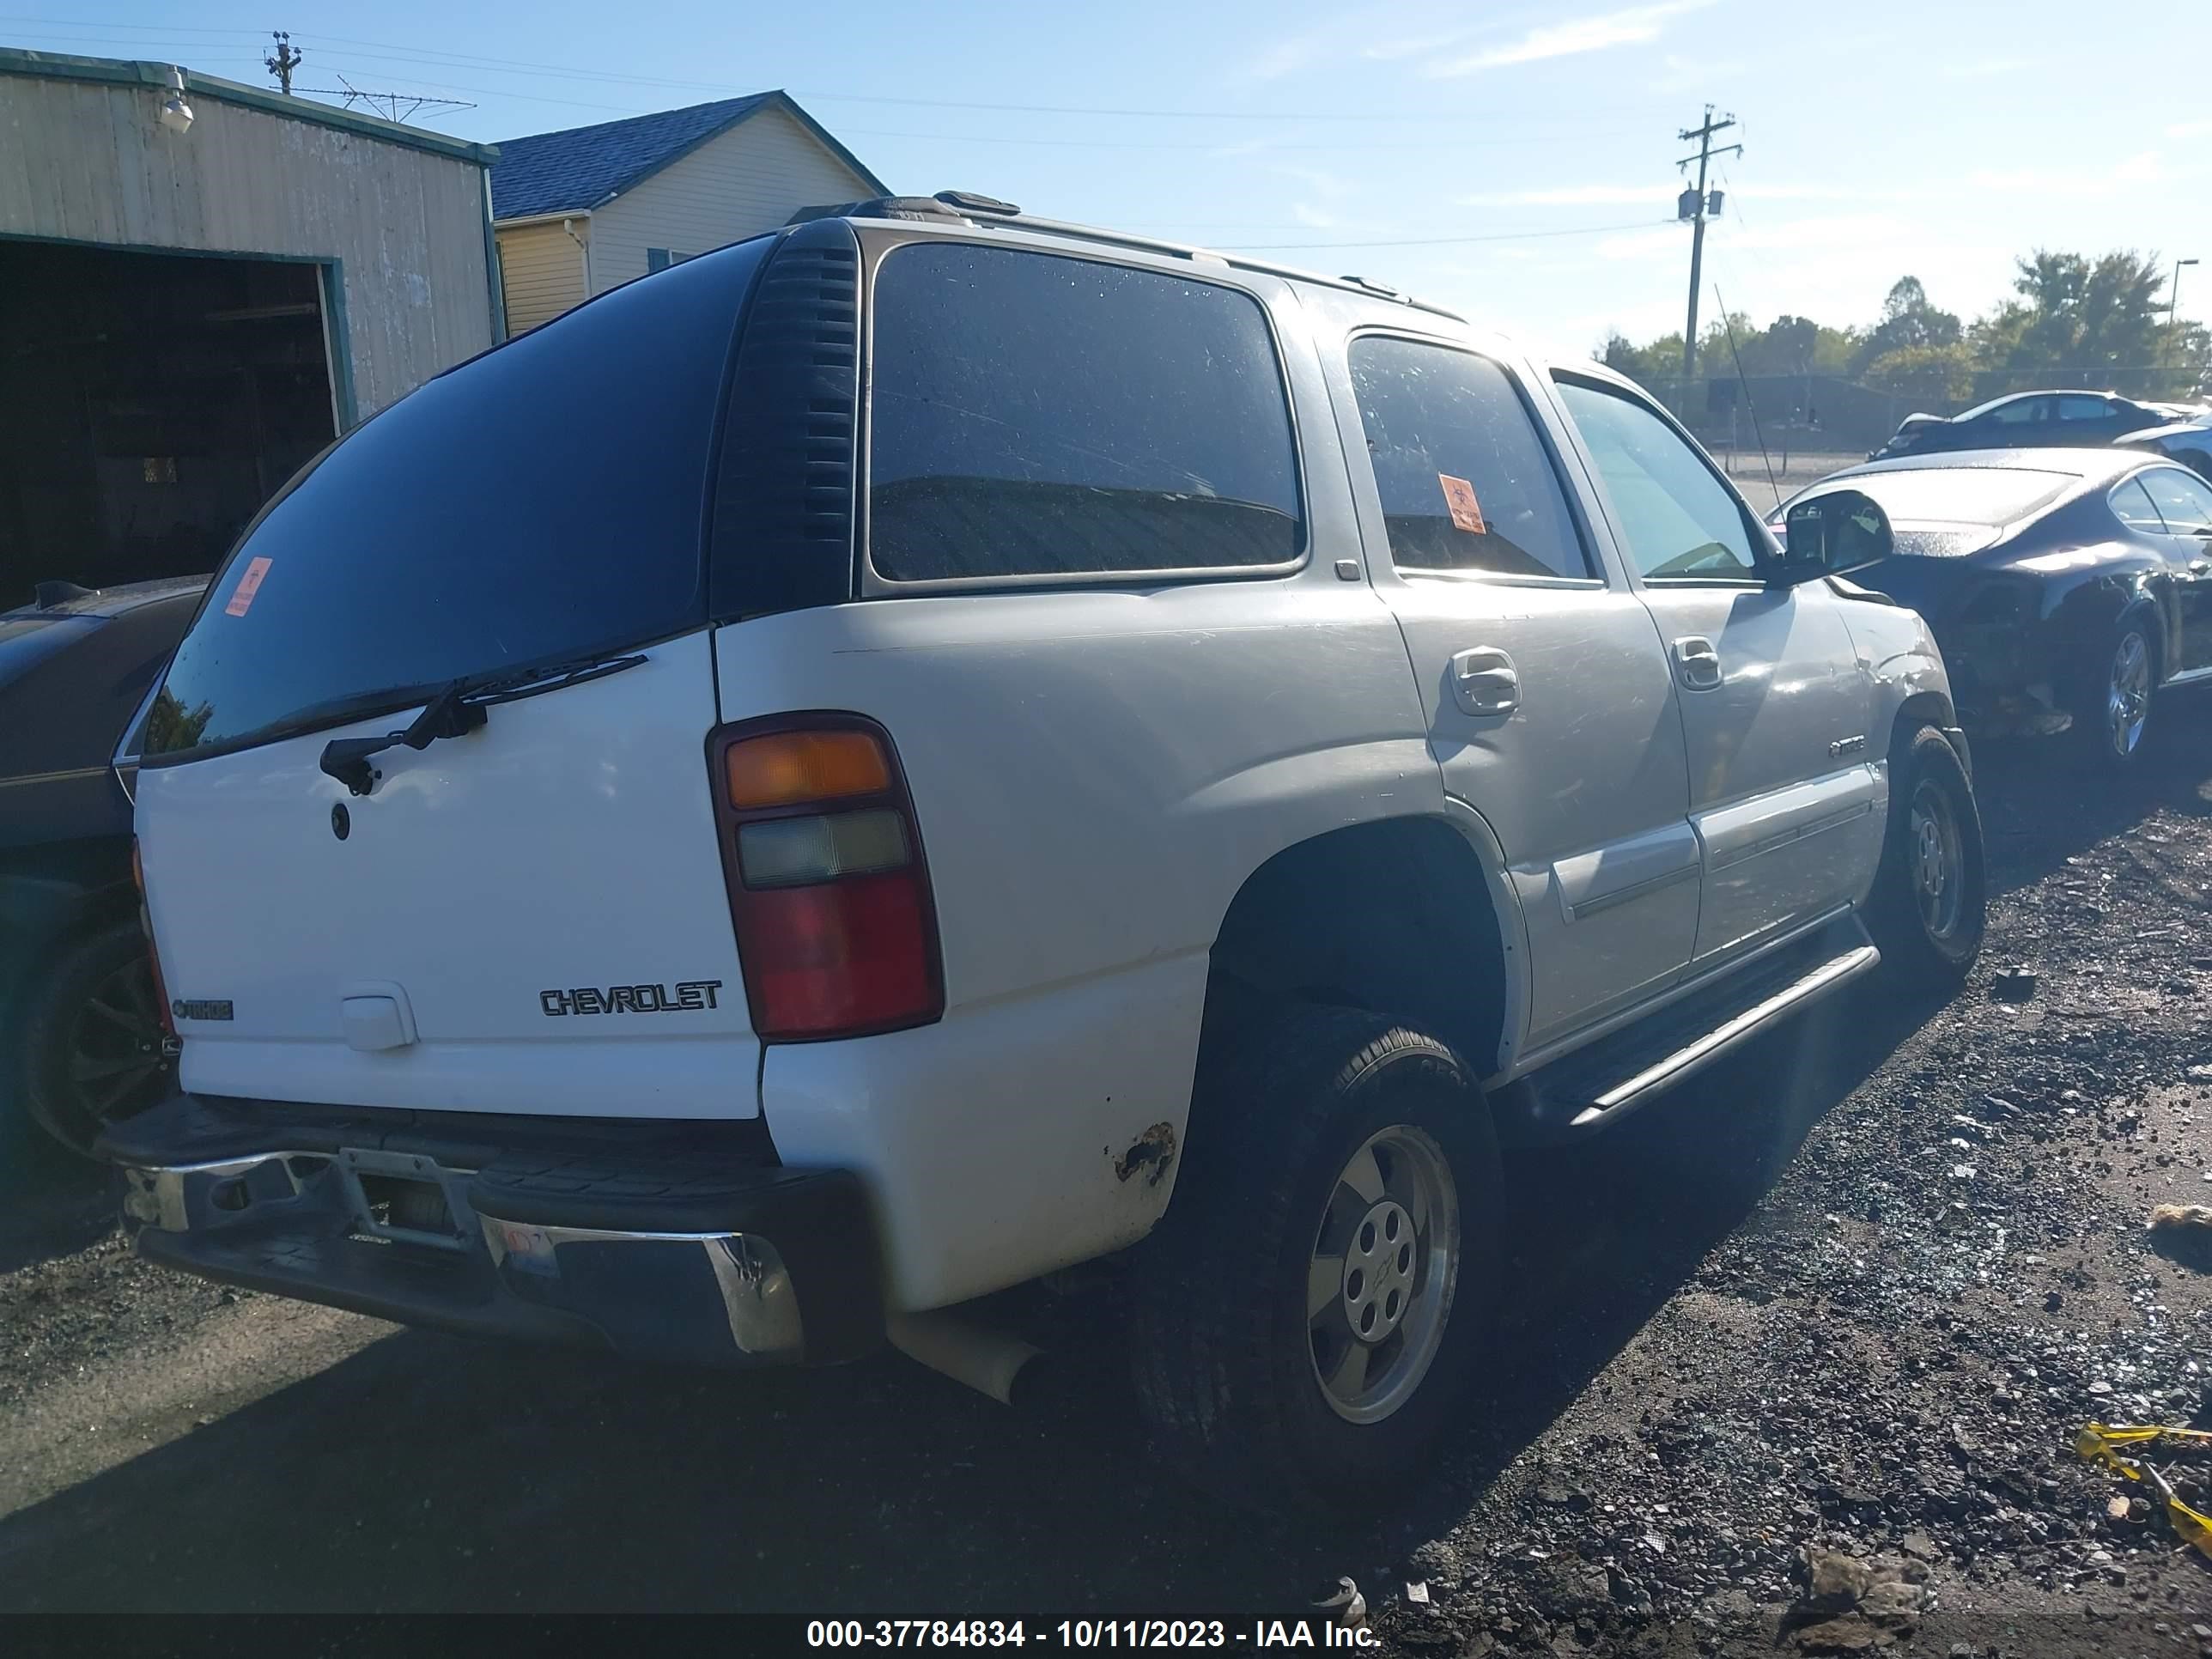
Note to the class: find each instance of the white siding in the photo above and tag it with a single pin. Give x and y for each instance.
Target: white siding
(750, 180)
(89, 162)
(543, 269)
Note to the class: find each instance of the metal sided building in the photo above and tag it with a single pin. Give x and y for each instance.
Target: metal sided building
(201, 285)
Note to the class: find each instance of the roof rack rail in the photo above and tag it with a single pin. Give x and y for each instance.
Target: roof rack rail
(972, 208)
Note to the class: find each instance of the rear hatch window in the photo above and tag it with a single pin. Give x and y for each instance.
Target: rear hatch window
(543, 502)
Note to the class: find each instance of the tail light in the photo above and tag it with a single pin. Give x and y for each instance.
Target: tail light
(828, 891)
(152, 955)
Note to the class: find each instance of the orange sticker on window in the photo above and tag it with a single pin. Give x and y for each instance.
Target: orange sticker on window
(1466, 511)
(241, 596)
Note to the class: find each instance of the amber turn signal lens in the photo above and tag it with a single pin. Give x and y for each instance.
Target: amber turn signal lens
(783, 768)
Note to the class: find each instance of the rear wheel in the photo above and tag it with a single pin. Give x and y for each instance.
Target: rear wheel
(2115, 716)
(92, 1038)
(1311, 1307)
(1927, 910)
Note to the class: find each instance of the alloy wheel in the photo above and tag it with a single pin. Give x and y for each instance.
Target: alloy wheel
(2127, 694)
(1938, 859)
(114, 1062)
(1385, 1263)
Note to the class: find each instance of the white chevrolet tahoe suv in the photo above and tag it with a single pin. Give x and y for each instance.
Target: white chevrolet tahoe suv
(934, 745)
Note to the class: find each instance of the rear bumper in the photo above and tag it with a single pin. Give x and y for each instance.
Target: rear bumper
(2005, 680)
(667, 1242)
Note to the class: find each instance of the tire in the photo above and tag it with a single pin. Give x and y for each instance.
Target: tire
(2114, 713)
(91, 1048)
(1230, 1361)
(1927, 912)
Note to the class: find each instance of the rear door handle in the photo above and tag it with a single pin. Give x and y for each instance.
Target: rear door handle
(1484, 681)
(1697, 664)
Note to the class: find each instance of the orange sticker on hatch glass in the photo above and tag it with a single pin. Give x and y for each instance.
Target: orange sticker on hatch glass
(241, 596)
(1466, 511)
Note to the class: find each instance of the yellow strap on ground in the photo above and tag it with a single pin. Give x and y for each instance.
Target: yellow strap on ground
(2101, 1443)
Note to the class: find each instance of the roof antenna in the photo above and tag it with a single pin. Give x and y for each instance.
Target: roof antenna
(1721, 299)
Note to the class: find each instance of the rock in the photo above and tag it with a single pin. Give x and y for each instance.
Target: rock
(1838, 1579)
(1896, 1605)
(1734, 1605)
(2014, 984)
(1849, 1634)
(1917, 1543)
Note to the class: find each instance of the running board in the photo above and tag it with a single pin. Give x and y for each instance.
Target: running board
(1594, 1086)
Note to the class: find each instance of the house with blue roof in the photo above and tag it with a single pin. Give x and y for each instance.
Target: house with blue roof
(581, 212)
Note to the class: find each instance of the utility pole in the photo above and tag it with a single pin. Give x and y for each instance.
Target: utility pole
(283, 60)
(1700, 210)
(2173, 311)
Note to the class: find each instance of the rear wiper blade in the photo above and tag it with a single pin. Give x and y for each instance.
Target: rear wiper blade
(458, 709)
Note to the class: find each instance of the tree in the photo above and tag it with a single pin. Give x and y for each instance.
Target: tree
(1928, 374)
(2079, 322)
(1909, 320)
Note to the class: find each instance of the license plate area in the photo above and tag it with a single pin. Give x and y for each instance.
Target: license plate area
(400, 1198)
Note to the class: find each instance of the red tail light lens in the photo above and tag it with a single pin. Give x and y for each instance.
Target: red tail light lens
(828, 891)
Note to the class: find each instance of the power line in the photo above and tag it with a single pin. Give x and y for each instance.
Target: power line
(1260, 148)
(435, 58)
(1444, 241)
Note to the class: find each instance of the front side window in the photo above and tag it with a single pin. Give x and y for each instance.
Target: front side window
(1465, 481)
(1033, 415)
(1678, 519)
(2025, 411)
(2183, 501)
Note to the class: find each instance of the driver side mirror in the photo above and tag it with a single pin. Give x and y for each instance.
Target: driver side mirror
(1831, 534)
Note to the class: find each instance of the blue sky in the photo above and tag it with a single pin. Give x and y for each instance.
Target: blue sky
(1513, 160)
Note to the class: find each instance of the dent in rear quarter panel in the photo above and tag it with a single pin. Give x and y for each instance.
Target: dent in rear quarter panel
(1095, 773)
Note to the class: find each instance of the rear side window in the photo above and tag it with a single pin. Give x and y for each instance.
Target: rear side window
(2183, 501)
(1465, 481)
(1038, 416)
(543, 502)
(2136, 508)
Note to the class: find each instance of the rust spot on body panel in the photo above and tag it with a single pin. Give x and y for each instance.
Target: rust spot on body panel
(1152, 1152)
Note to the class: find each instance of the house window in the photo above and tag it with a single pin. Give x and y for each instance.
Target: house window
(659, 258)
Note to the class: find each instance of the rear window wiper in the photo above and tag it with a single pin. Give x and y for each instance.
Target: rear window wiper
(458, 709)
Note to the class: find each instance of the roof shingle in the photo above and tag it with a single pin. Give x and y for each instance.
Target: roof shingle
(568, 171)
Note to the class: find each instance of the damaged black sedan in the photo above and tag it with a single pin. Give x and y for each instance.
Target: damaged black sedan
(2068, 589)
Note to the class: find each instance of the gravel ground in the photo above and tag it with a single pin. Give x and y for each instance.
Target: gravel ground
(1854, 1290)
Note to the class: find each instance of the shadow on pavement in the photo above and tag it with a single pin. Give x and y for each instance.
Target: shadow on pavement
(2042, 803)
(52, 1201)
(428, 1472)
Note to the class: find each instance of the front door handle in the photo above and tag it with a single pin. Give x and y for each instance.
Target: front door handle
(1697, 664)
(1484, 681)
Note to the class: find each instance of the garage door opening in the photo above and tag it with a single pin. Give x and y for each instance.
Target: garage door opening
(150, 403)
